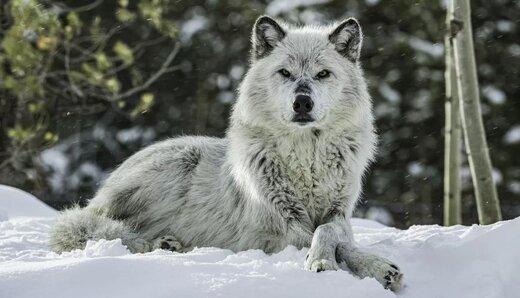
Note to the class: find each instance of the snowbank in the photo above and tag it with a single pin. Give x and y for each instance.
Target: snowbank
(476, 261)
(18, 203)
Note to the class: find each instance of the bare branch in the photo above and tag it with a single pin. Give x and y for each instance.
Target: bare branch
(164, 68)
(86, 53)
(64, 8)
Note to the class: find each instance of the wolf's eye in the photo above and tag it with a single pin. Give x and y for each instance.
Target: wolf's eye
(284, 72)
(323, 74)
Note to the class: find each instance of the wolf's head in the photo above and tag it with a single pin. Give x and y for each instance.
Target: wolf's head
(304, 77)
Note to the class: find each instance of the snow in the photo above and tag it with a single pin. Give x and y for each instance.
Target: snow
(136, 134)
(458, 261)
(505, 25)
(192, 26)
(86, 170)
(425, 46)
(514, 187)
(495, 95)
(236, 72)
(514, 50)
(389, 93)
(380, 215)
(372, 2)
(513, 135)
(100, 248)
(415, 168)
(18, 203)
(226, 97)
(56, 160)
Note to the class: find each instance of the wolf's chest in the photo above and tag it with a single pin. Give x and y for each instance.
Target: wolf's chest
(318, 175)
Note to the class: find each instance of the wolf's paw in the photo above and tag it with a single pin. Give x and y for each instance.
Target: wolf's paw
(364, 264)
(320, 257)
(138, 245)
(388, 274)
(321, 265)
(167, 243)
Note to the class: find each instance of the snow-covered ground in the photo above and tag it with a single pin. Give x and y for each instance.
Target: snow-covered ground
(460, 261)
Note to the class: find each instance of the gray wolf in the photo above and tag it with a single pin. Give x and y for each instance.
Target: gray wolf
(288, 172)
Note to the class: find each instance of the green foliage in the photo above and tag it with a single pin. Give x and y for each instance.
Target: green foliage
(50, 58)
(73, 26)
(32, 37)
(124, 52)
(113, 85)
(145, 103)
(153, 11)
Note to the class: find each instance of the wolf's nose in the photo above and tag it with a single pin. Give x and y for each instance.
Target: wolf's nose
(303, 104)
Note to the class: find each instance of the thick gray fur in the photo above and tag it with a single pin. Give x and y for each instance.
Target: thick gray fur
(270, 182)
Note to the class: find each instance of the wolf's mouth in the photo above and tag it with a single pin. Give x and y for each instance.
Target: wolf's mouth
(302, 119)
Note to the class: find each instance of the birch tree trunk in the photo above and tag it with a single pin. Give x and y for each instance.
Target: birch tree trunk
(476, 145)
(452, 134)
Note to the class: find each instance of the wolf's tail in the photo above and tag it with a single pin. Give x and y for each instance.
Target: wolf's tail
(75, 226)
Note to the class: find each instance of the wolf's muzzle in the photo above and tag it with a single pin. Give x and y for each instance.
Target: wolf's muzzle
(302, 106)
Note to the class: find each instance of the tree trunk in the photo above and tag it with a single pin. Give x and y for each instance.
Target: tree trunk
(476, 145)
(452, 135)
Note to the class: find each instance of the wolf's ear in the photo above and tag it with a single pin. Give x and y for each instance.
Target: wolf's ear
(347, 39)
(266, 34)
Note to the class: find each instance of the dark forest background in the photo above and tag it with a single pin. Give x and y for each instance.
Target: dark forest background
(85, 84)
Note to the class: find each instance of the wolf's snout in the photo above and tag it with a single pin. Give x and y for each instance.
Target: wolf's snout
(303, 104)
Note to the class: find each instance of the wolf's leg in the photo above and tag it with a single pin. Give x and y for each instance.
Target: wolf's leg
(281, 196)
(363, 264)
(167, 242)
(333, 245)
(137, 245)
(322, 253)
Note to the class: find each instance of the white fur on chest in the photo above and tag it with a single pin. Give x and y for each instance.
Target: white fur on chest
(319, 168)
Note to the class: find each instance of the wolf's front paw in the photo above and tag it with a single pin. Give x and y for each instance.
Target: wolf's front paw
(387, 273)
(321, 265)
(318, 261)
(167, 243)
(320, 257)
(364, 264)
(393, 278)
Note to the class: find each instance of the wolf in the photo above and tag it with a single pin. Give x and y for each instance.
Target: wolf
(288, 172)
